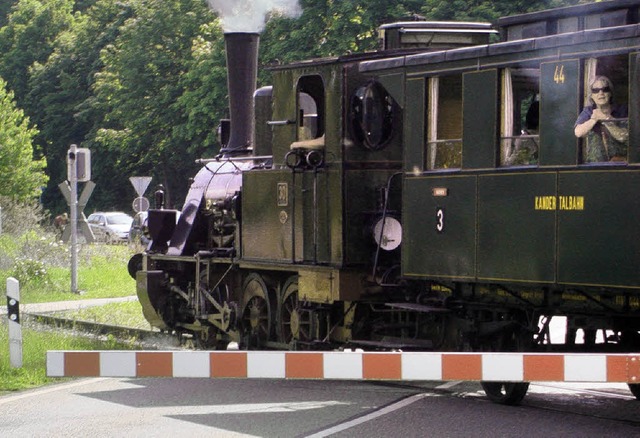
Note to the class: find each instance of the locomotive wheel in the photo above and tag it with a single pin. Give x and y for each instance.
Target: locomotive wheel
(294, 322)
(506, 393)
(256, 314)
(134, 265)
(635, 390)
(205, 339)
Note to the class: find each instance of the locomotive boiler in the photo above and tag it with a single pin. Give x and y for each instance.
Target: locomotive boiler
(429, 196)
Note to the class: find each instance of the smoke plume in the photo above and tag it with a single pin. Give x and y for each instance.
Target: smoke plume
(251, 15)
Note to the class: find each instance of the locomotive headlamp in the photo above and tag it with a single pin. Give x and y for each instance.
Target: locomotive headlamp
(387, 233)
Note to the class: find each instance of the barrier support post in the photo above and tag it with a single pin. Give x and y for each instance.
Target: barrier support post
(15, 329)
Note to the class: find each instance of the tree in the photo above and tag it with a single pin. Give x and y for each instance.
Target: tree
(5, 7)
(60, 97)
(21, 177)
(27, 37)
(332, 28)
(204, 91)
(485, 10)
(146, 89)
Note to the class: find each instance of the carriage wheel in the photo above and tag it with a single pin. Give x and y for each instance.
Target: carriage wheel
(256, 313)
(506, 393)
(635, 390)
(294, 321)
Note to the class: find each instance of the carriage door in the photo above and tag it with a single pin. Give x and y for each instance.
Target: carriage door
(634, 107)
(309, 176)
(559, 104)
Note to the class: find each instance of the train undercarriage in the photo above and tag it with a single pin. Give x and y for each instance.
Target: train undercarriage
(225, 302)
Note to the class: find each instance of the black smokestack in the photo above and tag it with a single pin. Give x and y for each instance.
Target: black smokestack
(242, 72)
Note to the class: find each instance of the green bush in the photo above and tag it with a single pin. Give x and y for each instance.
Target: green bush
(30, 270)
(21, 217)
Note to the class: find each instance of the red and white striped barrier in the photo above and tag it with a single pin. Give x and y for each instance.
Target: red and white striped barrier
(514, 367)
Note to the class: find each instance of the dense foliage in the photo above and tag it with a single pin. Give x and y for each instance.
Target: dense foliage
(20, 175)
(142, 82)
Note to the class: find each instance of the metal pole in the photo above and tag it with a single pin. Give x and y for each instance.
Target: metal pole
(15, 330)
(73, 181)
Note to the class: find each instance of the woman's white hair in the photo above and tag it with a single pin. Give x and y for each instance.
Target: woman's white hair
(607, 81)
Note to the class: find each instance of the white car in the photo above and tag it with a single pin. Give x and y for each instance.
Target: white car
(139, 233)
(110, 227)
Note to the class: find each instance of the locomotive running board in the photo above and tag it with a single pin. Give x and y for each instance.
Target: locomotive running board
(414, 307)
(393, 343)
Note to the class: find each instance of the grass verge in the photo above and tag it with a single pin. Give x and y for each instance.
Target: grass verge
(102, 273)
(42, 265)
(127, 314)
(34, 348)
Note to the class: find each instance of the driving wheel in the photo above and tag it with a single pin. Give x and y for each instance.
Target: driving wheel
(294, 321)
(256, 314)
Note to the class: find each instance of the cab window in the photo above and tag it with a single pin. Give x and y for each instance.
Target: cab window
(310, 105)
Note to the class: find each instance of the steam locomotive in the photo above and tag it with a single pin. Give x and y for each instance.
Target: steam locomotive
(428, 196)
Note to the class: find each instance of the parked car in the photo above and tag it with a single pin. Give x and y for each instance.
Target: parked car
(110, 227)
(138, 233)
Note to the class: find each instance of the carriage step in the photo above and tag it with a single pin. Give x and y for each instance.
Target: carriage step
(390, 343)
(415, 307)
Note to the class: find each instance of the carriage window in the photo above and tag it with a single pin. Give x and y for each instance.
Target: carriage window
(310, 108)
(520, 116)
(444, 124)
(603, 123)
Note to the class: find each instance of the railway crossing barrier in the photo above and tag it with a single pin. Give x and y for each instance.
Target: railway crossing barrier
(513, 367)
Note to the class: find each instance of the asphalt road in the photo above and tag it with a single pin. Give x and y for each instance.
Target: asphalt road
(107, 407)
(277, 408)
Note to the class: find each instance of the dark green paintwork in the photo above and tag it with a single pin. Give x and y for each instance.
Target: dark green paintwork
(508, 238)
(414, 129)
(559, 102)
(600, 245)
(303, 230)
(634, 106)
(515, 241)
(426, 251)
(264, 236)
(480, 109)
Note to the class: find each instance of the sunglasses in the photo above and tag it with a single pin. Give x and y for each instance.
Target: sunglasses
(603, 89)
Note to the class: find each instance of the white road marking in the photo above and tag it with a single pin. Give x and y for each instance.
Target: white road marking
(48, 389)
(449, 384)
(245, 408)
(372, 416)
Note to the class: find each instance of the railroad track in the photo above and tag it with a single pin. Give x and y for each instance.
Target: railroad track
(148, 338)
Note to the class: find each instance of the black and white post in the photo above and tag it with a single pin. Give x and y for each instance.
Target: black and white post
(15, 329)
